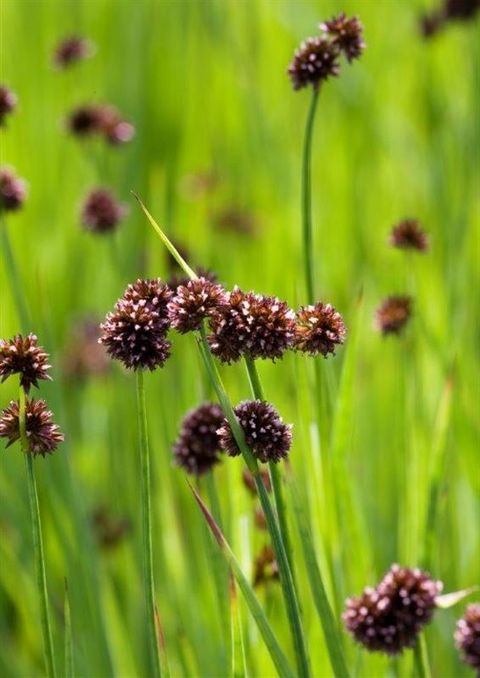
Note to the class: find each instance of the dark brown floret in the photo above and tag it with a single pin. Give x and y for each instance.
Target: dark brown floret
(8, 102)
(319, 330)
(346, 34)
(110, 529)
(467, 636)
(249, 480)
(42, 434)
(268, 438)
(101, 212)
(197, 447)
(265, 567)
(13, 190)
(389, 618)
(23, 356)
(408, 235)
(194, 302)
(71, 50)
(316, 60)
(83, 355)
(393, 314)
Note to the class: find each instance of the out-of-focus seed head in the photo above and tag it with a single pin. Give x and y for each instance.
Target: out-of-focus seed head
(408, 235)
(195, 301)
(249, 480)
(265, 567)
(13, 191)
(467, 636)
(83, 355)
(347, 34)
(43, 435)
(197, 447)
(393, 314)
(110, 529)
(315, 61)
(319, 329)
(450, 10)
(8, 102)
(23, 356)
(85, 120)
(236, 220)
(260, 519)
(115, 129)
(103, 120)
(71, 50)
(101, 211)
(389, 617)
(266, 435)
(461, 9)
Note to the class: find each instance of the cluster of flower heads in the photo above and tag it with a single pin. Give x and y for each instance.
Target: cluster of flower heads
(467, 636)
(25, 357)
(13, 190)
(389, 617)
(449, 11)
(102, 120)
(317, 59)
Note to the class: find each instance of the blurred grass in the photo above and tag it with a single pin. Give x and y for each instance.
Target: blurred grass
(205, 85)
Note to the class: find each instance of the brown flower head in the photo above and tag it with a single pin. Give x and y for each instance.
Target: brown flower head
(86, 120)
(266, 435)
(8, 102)
(13, 191)
(319, 330)
(83, 355)
(467, 636)
(265, 567)
(197, 447)
(195, 301)
(393, 314)
(42, 434)
(72, 49)
(389, 617)
(346, 35)
(135, 332)
(115, 129)
(101, 212)
(110, 529)
(236, 220)
(316, 60)
(408, 235)
(23, 356)
(461, 9)
(249, 480)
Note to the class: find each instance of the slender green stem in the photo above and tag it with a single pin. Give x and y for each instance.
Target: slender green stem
(421, 658)
(147, 524)
(37, 540)
(14, 276)
(307, 199)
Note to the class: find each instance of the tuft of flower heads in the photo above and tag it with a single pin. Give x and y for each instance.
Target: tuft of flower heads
(266, 435)
(467, 636)
(197, 447)
(249, 480)
(83, 355)
(101, 212)
(408, 235)
(103, 120)
(42, 434)
(8, 102)
(71, 50)
(317, 58)
(265, 567)
(135, 332)
(13, 190)
(109, 529)
(389, 617)
(23, 356)
(393, 314)
(194, 302)
(319, 329)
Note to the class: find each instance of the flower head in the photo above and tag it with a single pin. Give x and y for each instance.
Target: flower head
(346, 34)
(83, 354)
(85, 120)
(72, 49)
(23, 356)
(13, 190)
(42, 434)
(316, 60)
(389, 617)
(393, 314)
(110, 529)
(408, 235)
(195, 301)
(266, 435)
(467, 636)
(101, 212)
(100, 119)
(249, 480)
(8, 102)
(319, 329)
(265, 567)
(197, 447)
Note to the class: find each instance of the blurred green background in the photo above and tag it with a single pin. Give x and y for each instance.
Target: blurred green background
(219, 133)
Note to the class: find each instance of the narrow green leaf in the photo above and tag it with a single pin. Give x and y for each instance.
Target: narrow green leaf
(450, 599)
(69, 664)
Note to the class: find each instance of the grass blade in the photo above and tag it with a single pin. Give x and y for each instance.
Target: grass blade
(69, 663)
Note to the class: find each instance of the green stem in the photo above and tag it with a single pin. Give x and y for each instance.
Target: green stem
(307, 200)
(286, 578)
(37, 540)
(147, 524)
(14, 276)
(421, 658)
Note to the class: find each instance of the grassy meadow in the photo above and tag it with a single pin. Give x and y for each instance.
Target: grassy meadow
(217, 160)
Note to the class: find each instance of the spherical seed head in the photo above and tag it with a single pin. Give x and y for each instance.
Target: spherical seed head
(265, 567)
(266, 435)
(316, 60)
(8, 102)
(110, 529)
(193, 302)
(42, 434)
(230, 331)
(197, 447)
(101, 212)
(467, 636)
(408, 235)
(461, 9)
(83, 355)
(346, 34)
(13, 191)
(389, 618)
(176, 280)
(155, 294)
(86, 120)
(114, 128)
(319, 329)
(249, 480)
(393, 314)
(23, 356)
(71, 50)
